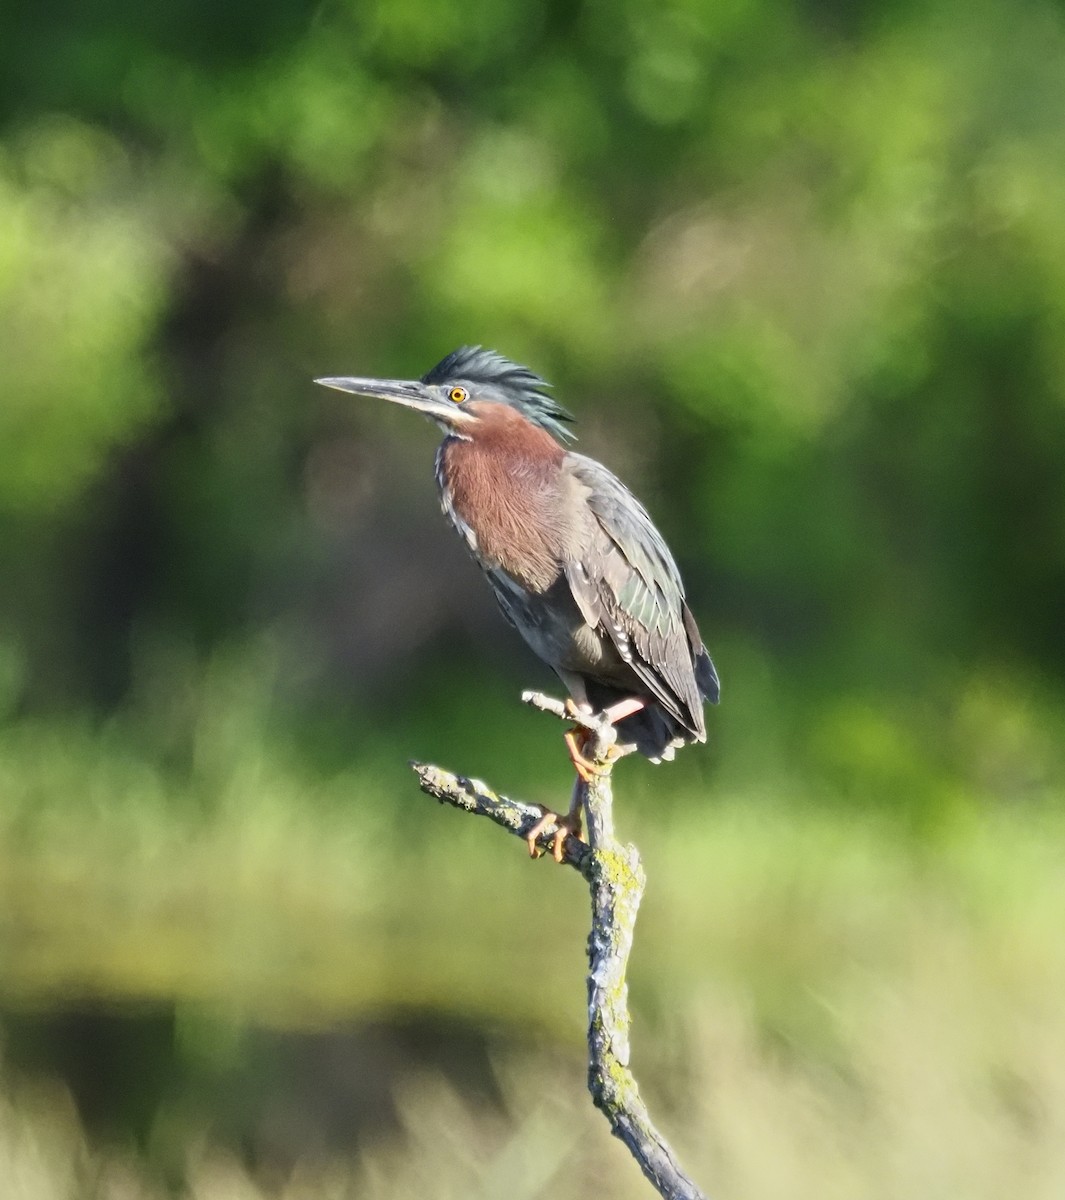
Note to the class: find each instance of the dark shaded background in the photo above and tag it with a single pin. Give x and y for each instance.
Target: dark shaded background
(799, 269)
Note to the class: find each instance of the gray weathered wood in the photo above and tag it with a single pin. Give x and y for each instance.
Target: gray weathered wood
(616, 881)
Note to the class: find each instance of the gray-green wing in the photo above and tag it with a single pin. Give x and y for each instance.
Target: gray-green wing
(626, 583)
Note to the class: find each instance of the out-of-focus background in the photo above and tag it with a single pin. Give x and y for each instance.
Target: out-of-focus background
(799, 269)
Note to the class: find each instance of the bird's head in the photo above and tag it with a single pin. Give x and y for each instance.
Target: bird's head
(459, 392)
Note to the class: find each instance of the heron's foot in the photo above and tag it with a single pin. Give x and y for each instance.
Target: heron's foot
(591, 730)
(576, 740)
(567, 826)
(588, 769)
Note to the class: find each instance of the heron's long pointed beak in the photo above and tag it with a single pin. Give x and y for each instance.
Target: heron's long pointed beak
(411, 393)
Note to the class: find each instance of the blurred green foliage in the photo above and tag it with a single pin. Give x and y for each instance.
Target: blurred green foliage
(800, 272)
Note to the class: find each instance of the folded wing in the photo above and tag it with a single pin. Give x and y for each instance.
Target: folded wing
(627, 586)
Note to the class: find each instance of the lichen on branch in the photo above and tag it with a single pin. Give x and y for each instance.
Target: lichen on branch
(616, 881)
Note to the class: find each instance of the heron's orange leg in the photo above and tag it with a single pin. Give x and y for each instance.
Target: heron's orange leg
(624, 708)
(576, 739)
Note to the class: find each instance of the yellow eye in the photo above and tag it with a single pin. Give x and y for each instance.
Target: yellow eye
(458, 394)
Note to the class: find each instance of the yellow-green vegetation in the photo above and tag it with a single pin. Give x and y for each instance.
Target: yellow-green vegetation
(826, 1001)
(823, 1005)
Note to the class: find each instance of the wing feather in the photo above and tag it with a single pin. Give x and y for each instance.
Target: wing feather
(627, 585)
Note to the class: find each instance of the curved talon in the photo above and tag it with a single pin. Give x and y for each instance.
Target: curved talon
(586, 730)
(569, 825)
(575, 740)
(587, 769)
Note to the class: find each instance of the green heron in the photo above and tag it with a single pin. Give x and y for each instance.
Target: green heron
(572, 556)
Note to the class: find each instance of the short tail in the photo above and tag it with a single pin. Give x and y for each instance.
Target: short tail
(655, 733)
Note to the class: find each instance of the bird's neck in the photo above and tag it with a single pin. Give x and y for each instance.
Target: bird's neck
(500, 492)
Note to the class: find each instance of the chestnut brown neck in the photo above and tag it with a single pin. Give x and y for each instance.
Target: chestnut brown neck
(499, 487)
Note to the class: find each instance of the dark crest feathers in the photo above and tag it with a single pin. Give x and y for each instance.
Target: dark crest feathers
(510, 381)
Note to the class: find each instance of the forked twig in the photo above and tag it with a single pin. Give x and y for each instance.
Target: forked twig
(616, 881)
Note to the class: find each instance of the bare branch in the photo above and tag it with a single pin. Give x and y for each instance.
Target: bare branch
(474, 796)
(616, 880)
